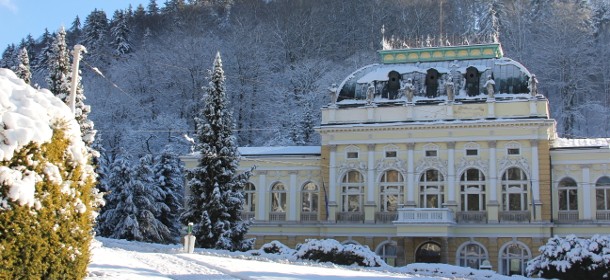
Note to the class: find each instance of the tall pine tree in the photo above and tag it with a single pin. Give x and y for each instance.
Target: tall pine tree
(23, 70)
(216, 190)
(59, 66)
(167, 176)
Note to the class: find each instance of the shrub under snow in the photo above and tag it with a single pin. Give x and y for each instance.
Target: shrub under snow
(572, 258)
(326, 250)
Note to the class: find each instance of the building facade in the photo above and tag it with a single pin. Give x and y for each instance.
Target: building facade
(444, 154)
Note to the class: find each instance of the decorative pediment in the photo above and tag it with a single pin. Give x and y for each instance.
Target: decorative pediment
(512, 161)
(466, 163)
(385, 164)
(431, 163)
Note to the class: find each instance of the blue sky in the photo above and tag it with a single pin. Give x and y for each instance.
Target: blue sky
(18, 18)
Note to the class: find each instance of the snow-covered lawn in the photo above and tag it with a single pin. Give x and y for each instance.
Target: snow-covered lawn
(120, 259)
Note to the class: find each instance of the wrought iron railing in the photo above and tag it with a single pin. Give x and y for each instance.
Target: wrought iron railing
(386, 217)
(277, 216)
(350, 217)
(475, 217)
(514, 216)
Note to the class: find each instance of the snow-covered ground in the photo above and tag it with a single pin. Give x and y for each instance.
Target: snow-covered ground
(120, 259)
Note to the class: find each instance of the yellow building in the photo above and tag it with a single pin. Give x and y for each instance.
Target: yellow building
(443, 154)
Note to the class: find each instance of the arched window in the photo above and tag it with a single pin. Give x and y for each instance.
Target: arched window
(310, 198)
(249, 198)
(568, 191)
(514, 190)
(513, 258)
(472, 190)
(432, 77)
(471, 254)
(429, 252)
(352, 192)
(388, 252)
(472, 81)
(431, 189)
(278, 198)
(393, 85)
(602, 194)
(391, 191)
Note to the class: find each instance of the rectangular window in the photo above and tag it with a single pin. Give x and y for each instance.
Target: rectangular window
(390, 154)
(472, 152)
(431, 153)
(352, 154)
(513, 151)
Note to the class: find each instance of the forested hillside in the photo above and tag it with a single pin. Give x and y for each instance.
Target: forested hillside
(145, 68)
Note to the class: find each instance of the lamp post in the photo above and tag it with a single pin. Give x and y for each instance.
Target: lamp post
(76, 60)
(189, 240)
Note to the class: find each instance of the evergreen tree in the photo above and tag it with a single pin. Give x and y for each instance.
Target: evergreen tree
(23, 70)
(216, 191)
(74, 32)
(134, 205)
(308, 122)
(59, 67)
(95, 32)
(120, 33)
(118, 172)
(153, 8)
(9, 57)
(47, 46)
(49, 236)
(168, 177)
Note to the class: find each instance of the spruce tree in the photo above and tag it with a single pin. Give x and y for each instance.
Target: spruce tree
(136, 204)
(120, 33)
(59, 67)
(23, 70)
(216, 190)
(168, 177)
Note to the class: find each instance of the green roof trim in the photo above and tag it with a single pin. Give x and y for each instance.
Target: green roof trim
(480, 51)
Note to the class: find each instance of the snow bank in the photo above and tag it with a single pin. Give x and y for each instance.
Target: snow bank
(28, 115)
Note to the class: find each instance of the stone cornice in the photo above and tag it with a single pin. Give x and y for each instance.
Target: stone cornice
(397, 126)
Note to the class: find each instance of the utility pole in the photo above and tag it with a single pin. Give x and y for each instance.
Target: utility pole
(76, 60)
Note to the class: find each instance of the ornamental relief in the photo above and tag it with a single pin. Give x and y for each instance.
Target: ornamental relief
(467, 163)
(512, 161)
(431, 163)
(385, 164)
(562, 171)
(352, 165)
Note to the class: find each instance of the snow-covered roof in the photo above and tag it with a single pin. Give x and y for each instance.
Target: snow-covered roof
(564, 143)
(279, 150)
(510, 76)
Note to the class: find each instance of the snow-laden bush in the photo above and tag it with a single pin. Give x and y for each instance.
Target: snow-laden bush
(277, 248)
(330, 250)
(325, 250)
(572, 258)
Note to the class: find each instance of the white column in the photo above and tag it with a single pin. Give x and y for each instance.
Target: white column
(262, 193)
(586, 192)
(451, 174)
(370, 174)
(292, 197)
(410, 175)
(332, 174)
(535, 172)
(493, 174)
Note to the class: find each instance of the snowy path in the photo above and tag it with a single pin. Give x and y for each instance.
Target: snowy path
(122, 260)
(253, 270)
(114, 263)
